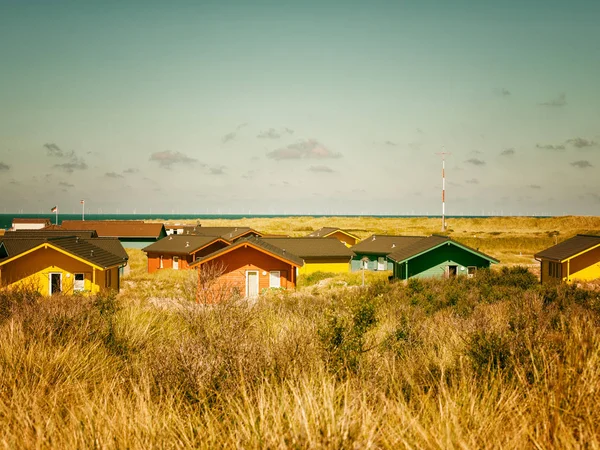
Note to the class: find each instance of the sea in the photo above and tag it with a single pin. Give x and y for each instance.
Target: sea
(6, 218)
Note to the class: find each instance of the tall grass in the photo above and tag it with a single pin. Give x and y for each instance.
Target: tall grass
(493, 361)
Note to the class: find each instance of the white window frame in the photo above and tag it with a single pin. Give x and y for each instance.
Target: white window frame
(75, 280)
(273, 277)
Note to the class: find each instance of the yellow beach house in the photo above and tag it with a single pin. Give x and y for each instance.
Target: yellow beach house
(576, 259)
(319, 255)
(65, 264)
(345, 237)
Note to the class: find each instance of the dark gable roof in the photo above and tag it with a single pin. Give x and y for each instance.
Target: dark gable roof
(429, 243)
(111, 245)
(312, 247)
(229, 233)
(379, 244)
(257, 242)
(103, 254)
(51, 232)
(570, 247)
(117, 228)
(325, 231)
(14, 246)
(181, 244)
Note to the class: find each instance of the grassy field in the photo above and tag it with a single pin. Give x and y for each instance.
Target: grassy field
(496, 361)
(513, 240)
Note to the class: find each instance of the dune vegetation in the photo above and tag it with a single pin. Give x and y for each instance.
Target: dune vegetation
(512, 240)
(494, 361)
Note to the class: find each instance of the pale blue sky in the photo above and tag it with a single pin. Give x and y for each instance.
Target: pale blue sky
(300, 107)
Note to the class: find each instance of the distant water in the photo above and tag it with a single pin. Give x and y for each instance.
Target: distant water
(6, 219)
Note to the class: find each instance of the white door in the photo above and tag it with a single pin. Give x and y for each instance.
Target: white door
(275, 279)
(54, 283)
(251, 284)
(381, 265)
(175, 262)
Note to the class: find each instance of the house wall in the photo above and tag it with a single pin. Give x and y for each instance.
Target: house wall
(28, 226)
(343, 238)
(34, 269)
(435, 262)
(234, 266)
(585, 267)
(545, 272)
(356, 263)
(154, 261)
(334, 265)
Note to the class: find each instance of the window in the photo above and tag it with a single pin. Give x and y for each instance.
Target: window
(79, 283)
(381, 265)
(471, 271)
(275, 279)
(554, 269)
(175, 262)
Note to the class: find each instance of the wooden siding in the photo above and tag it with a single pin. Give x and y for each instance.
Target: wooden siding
(356, 263)
(34, 269)
(184, 260)
(334, 265)
(435, 262)
(585, 267)
(348, 241)
(237, 263)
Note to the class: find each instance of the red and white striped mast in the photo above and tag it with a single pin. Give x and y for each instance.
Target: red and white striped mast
(443, 155)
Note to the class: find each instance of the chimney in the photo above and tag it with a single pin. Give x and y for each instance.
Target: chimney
(187, 244)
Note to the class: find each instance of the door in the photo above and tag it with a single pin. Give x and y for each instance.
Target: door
(252, 284)
(452, 271)
(381, 265)
(55, 282)
(176, 262)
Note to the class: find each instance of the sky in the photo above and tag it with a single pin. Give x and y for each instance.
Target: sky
(300, 107)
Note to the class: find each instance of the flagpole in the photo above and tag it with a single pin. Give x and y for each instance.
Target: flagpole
(83, 210)
(56, 221)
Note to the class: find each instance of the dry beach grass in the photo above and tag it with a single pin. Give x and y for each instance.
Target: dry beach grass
(496, 361)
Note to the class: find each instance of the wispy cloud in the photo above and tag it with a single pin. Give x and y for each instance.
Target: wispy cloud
(557, 102)
(228, 137)
(595, 197)
(272, 133)
(503, 92)
(582, 164)
(472, 181)
(72, 166)
(557, 147)
(131, 170)
(307, 149)
(73, 162)
(320, 169)
(390, 143)
(167, 159)
(65, 184)
(217, 170)
(4, 167)
(581, 143)
(113, 175)
(508, 152)
(54, 150)
(475, 162)
(534, 186)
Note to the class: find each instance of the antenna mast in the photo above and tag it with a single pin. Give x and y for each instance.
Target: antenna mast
(443, 155)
